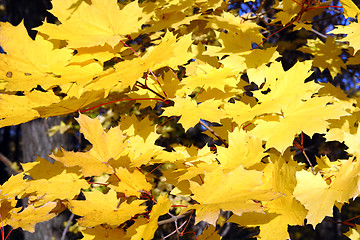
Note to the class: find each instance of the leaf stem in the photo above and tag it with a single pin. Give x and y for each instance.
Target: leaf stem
(146, 87)
(308, 160)
(214, 133)
(170, 220)
(63, 235)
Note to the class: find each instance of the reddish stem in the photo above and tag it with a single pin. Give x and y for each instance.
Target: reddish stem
(162, 124)
(2, 229)
(323, 7)
(302, 6)
(130, 48)
(182, 233)
(201, 179)
(179, 206)
(154, 169)
(117, 177)
(197, 95)
(174, 74)
(287, 25)
(192, 233)
(148, 70)
(9, 233)
(140, 214)
(246, 126)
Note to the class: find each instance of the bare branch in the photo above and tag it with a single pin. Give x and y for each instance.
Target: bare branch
(9, 165)
(67, 227)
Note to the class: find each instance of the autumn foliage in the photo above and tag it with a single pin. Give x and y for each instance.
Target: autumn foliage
(193, 60)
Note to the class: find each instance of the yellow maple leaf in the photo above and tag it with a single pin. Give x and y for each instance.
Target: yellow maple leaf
(32, 60)
(231, 43)
(289, 105)
(90, 165)
(286, 86)
(209, 233)
(147, 231)
(169, 14)
(132, 126)
(39, 62)
(103, 233)
(353, 233)
(100, 208)
(319, 197)
(191, 112)
(12, 190)
(19, 109)
(279, 175)
(14, 186)
(244, 149)
(97, 23)
(169, 52)
(237, 189)
(131, 184)
(106, 146)
(343, 135)
(350, 8)
(352, 34)
(70, 105)
(124, 73)
(46, 175)
(142, 151)
(310, 117)
(208, 77)
(27, 218)
(326, 55)
(63, 9)
(236, 25)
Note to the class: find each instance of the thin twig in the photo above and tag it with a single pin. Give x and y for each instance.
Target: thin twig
(67, 227)
(130, 48)
(260, 7)
(173, 232)
(146, 87)
(8, 164)
(308, 160)
(214, 133)
(176, 225)
(170, 220)
(319, 33)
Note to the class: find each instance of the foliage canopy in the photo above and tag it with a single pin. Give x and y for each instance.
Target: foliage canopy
(195, 60)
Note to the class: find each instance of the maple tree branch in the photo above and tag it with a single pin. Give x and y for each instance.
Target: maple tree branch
(308, 160)
(130, 48)
(176, 229)
(9, 165)
(146, 87)
(214, 133)
(170, 220)
(175, 223)
(260, 7)
(328, 17)
(63, 235)
(319, 33)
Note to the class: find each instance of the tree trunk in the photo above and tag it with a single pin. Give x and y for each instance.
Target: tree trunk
(36, 142)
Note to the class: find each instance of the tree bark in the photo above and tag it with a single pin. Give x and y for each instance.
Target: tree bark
(36, 142)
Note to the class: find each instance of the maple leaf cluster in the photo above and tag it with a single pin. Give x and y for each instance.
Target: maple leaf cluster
(196, 60)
